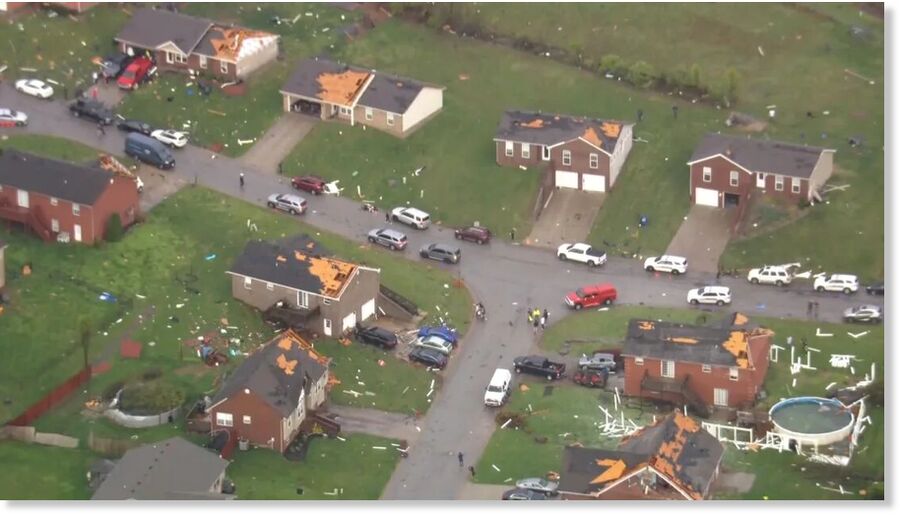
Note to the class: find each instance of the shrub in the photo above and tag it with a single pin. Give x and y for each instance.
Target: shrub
(875, 391)
(641, 74)
(114, 229)
(694, 78)
(732, 83)
(611, 63)
(151, 374)
(150, 398)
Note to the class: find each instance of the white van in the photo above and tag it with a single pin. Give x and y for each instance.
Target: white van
(498, 390)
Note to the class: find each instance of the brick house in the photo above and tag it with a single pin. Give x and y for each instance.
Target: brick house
(75, 7)
(178, 42)
(581, 153)
(334, 91)
(673, 459)
(729, 170)
(271, 393)
(53, 197)
(2, 265)
(721, 365)
(299, 272)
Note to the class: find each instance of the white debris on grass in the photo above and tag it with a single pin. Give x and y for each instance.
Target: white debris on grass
(495, 467)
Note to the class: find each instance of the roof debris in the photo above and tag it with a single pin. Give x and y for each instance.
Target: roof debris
(341, 88)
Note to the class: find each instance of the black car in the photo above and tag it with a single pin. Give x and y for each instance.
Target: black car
(876, 289)
(376, 336)
(540, 366)
(441, 252)
(113, 65)
(135, 126)
(428, 356)
(92, 110)
(523, 494)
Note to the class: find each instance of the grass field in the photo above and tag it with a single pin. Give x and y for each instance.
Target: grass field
(43, 472)
(50, 147)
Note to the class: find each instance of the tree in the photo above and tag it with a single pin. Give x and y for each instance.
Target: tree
(641, 74)
(114, 229)
(732, 80)
(84, 328)
(695, 76)
(611, 63)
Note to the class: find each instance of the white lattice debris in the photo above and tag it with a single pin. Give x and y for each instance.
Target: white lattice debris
(841, 361)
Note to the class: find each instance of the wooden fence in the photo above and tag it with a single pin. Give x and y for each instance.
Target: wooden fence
(52, 399)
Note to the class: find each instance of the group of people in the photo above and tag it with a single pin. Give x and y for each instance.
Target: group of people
(538, 318)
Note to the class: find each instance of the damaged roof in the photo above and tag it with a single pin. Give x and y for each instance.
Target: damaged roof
(298, 262)
(233, 43)
(550, 129)
(277, 373)
(391, 93)
(588, 470)
(75, 183)
(770, 156)
(151, 28)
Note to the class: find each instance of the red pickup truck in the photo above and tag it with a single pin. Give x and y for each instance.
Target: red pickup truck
(592, 295)
(135, 73)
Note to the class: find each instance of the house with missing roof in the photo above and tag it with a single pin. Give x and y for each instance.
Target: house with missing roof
(354, 95)
(728, 171)
(581, 153)
(58, 199)
(179, 42)
(267, 398)
(672, 459)
(174, 469)
(722, 365)
(334, 294)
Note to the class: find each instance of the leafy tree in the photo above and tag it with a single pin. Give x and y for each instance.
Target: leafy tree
(695, 77)
(641, 74)
(732, 83)
(611, 63)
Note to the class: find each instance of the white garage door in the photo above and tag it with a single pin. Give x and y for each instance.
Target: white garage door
(368, 309)
(349, 322)
(566, 179)
(706, 197)
(593, 183)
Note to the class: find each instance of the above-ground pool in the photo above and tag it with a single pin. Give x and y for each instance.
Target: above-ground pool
(812, 421)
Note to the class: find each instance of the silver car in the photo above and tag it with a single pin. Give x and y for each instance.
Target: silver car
(863, 313)
(541, 485)
(293, 204)
(434, 342)
(11, 117)
(393, 240)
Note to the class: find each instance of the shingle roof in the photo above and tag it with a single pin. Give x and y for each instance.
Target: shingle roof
(233, 43)
(770, 156)
(150, 28)
(277, 373)
(299, 262)
(170, 469)
(587, 470)
(76, 183)
(551, 129)
(391, 93)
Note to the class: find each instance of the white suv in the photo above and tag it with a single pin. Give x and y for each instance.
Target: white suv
(845, 283)
(412, 217)
(666, 263)
(714, 295)
(770, 275)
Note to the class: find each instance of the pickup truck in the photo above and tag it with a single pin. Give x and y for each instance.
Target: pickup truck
(93, 110)
(583, 253)
(539, 366)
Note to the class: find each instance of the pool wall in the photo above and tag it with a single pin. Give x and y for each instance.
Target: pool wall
(804, 438)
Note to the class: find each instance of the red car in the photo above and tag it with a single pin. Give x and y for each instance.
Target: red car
(477, 234)
(312, 184)
(592, 295)
(135, 73)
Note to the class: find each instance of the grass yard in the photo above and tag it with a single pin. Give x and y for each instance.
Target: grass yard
(43, 472)
(50, 147)
(352, 469)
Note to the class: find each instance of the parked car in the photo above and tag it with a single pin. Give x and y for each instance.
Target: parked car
(312, 184)
(444, 332)
(376, 336)
(497, 391)
(12, 118)
(429, 357)
(135, 73)
(770, 275)
(35, 88)
(875, 289)
(148, 150)
(411, 217)
(539, 366)
(293, 204)
(478, 234)
(597, 362)
(92, 110)
(846, 283)
(863, 313)
(523, 494)
(713, 295)
(541, 485)
(135, 126)
(113, 65)
(441, 252)
(590, 378)
(171, 138)
(592, 295)
(393, 240)
(666, 263)
(434, 342)
(582, 253)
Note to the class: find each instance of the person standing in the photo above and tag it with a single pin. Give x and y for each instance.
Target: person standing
(675, 112)
(460, 456)
(472, 471)
(535, 325)
(530, 314)
(512, 234)
(543, 322)
(241, 180)
(546, 315)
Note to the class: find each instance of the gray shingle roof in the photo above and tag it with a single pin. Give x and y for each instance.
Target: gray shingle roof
(304, 80)
(170, 469)
(76, 183)
(681, 342)
(580, 467)
(770, 156)
(551, 129)
(150, 28)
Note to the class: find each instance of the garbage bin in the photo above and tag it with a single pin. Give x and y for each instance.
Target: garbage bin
(243, 444)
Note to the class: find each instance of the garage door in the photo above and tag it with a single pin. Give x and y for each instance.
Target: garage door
(593, 183)
(349, 322)
(368, 310)
(566, 179)
(706, 197)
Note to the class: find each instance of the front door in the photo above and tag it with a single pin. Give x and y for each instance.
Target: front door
(326, 327)
(77, 230)
(23, 198)
(720, 397)
(760, 180)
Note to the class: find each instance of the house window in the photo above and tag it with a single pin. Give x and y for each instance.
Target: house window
(270, 286)
(203, 62)
(247, 420)
(567, 157)
(54, 201)
(174, 57)
(706, 368)
(326, 302)
(526, 151)
(795, 185)
(54, 225)
(22, 198)
(595, 160)
(248, 282)
(707, 174)
(510, 149)
(734, 178)
(223, 66)
(303, 299)
(545, 153)
(224, 419)
(667, 368)
(345, 111)
(638, 360)
(720, 397)
(369, 114)
(779, 183)
(390, 119)
(733, 374)
(76, 209)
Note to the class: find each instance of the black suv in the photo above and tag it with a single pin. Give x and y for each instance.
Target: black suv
(376, 336)
(135, 126)
(113, 66)
(93, 110)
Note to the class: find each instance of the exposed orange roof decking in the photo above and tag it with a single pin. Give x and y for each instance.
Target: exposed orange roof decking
(614, 469)
(341, 88)
(740, 319)
(683, 340)
(537, 123)
(646, 325)
(331, 272)
(737, 346)
(591, 136)
(229, 41)
(286, 365)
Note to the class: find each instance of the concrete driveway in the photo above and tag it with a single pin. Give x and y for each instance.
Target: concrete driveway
(702, 238)
(567, 218)
(278, 142)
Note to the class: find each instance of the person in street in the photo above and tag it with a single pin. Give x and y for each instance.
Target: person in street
(241, 179)
(535, 325)
(546, 315)
(530, 313)
(460, 456)
(387, 216)
(472, 471)
(512, 234)
(675, 112)
(536, 314)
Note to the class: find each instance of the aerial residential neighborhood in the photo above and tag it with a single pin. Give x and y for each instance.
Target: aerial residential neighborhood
(442, 251)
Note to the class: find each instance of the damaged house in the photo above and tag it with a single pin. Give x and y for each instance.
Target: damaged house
(581, 153)
(265, 400)
(672, 459)
(334, 91)
(180, 42)
(718, 366)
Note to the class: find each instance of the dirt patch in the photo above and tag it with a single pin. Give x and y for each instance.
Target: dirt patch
(745, 122)
(875, 9)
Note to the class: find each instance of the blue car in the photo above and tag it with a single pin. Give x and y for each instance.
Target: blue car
(444, 332)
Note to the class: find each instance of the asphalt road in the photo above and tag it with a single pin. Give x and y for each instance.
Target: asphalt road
(505, 277)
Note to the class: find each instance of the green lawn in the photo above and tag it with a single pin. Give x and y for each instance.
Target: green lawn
(43, 472)
(352, 468)
(50, 147)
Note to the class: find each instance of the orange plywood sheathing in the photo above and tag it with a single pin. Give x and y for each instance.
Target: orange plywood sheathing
(280, 259)
(683, 340)
(737, 346)
(591, 136)
(285, 343)
(611, 129)
(300, 257)
(537, 123)
(646, 325)
(614, 470)
(310, 244)
(740, 319)
(332, 273)
(286, 365)
(686, 423)
(341, 88)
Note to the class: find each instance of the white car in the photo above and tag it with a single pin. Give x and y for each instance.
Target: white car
(583, 253)
(11, 117)
(770, 275)
(845, 283)
(412, 217)
(714, 295)
(434, 342)
(666, 263)
(35, 88)
(170, 138)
